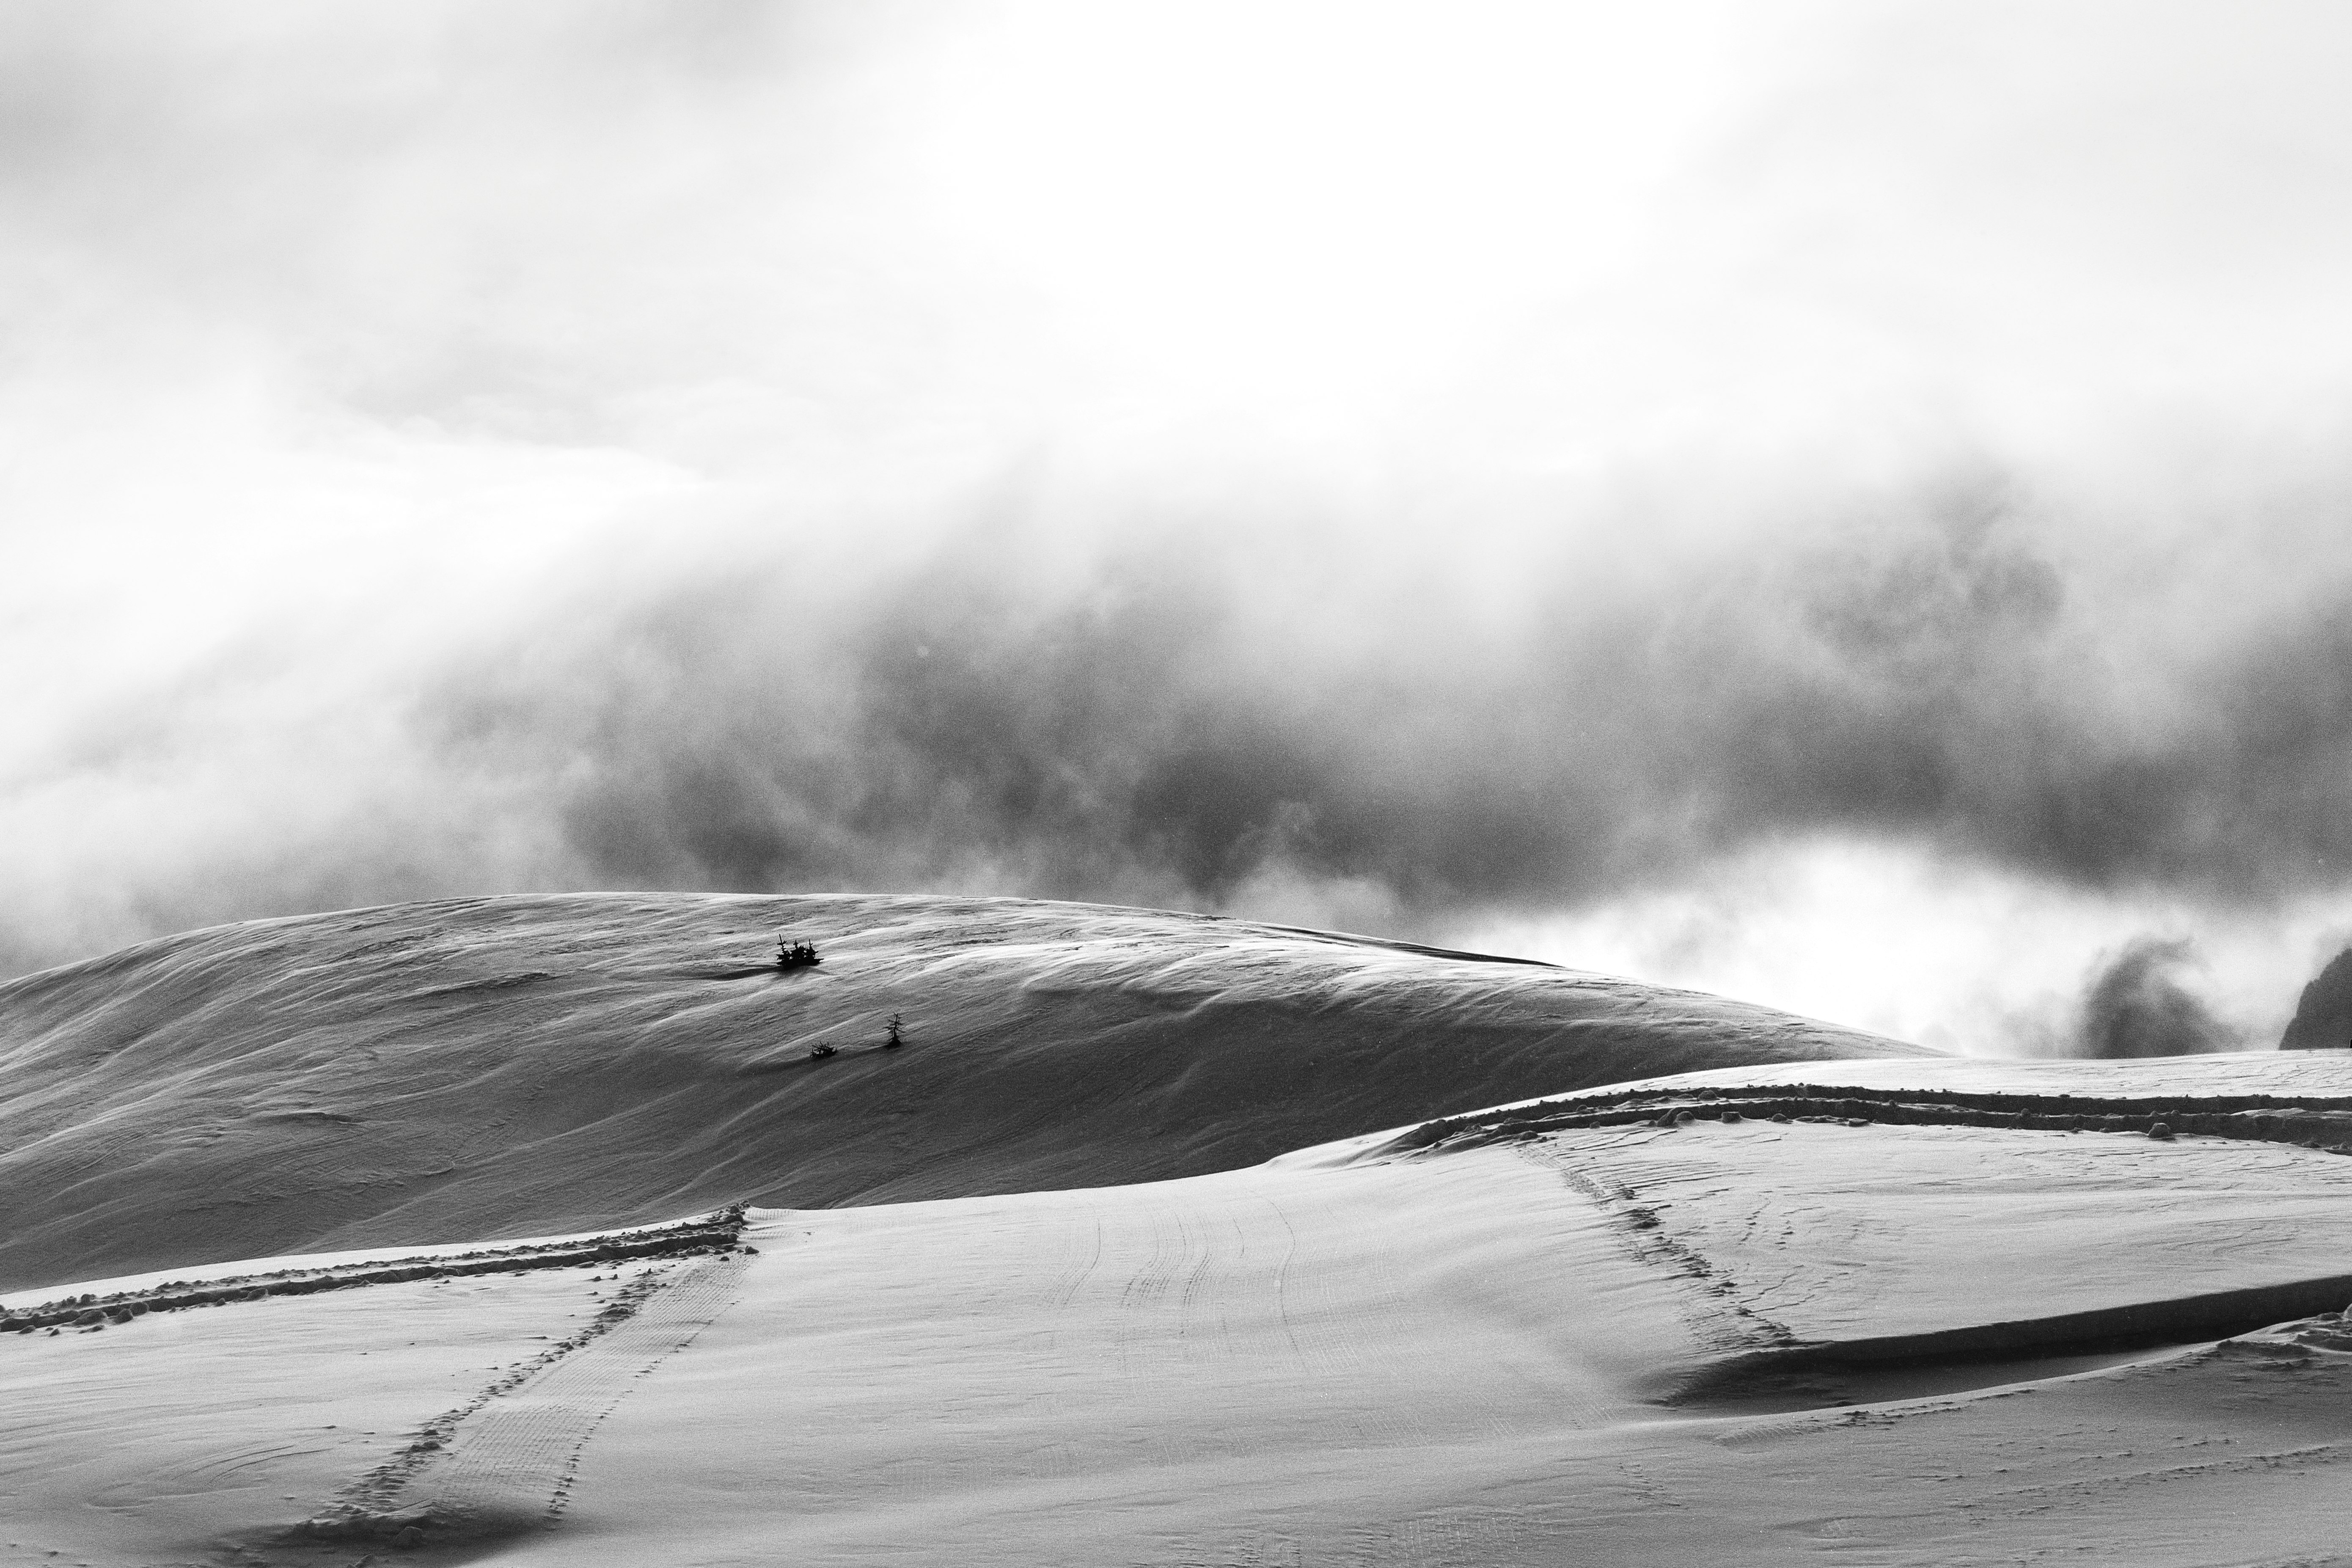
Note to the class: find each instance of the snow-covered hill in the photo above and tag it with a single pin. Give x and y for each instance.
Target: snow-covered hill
(480, 1067)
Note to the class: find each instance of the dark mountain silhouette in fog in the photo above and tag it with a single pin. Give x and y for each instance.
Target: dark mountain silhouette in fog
(2323, 1017)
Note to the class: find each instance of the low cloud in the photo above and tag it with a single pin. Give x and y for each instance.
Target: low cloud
(2136, 1006)
(715, 446)
(1201, 713)
(1158, 721)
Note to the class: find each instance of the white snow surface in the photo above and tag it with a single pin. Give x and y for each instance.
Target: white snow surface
(1480, 1357)
(1714, 1342)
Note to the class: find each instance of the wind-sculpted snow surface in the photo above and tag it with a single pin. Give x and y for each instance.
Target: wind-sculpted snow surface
(1652, 1342)
(469, 1069)
(1883, 1312)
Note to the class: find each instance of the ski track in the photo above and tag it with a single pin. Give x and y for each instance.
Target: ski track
(520, 1450)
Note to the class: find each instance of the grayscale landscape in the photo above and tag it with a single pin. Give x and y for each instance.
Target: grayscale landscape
(1078, 785)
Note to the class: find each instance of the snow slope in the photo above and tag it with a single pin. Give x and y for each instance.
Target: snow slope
(501, 1067)
(1660, 1345)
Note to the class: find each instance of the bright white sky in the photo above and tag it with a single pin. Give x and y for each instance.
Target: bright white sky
(344, 340)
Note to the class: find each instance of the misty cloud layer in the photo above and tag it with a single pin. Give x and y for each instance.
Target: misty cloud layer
(1166, 722)
(1202, 714)
(1832, 485)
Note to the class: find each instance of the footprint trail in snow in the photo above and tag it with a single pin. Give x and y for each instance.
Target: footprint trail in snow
(504, 1463)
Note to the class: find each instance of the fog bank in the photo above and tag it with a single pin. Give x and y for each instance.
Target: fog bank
(1844, 506)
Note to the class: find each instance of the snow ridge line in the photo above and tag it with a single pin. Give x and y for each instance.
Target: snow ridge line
(706, 1233)
(2318, 1124)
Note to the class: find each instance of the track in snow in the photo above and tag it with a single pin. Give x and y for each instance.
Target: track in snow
(503, 1463)
(520, 1451)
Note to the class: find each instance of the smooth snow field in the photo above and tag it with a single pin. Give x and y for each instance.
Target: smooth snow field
(1832, 1310)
